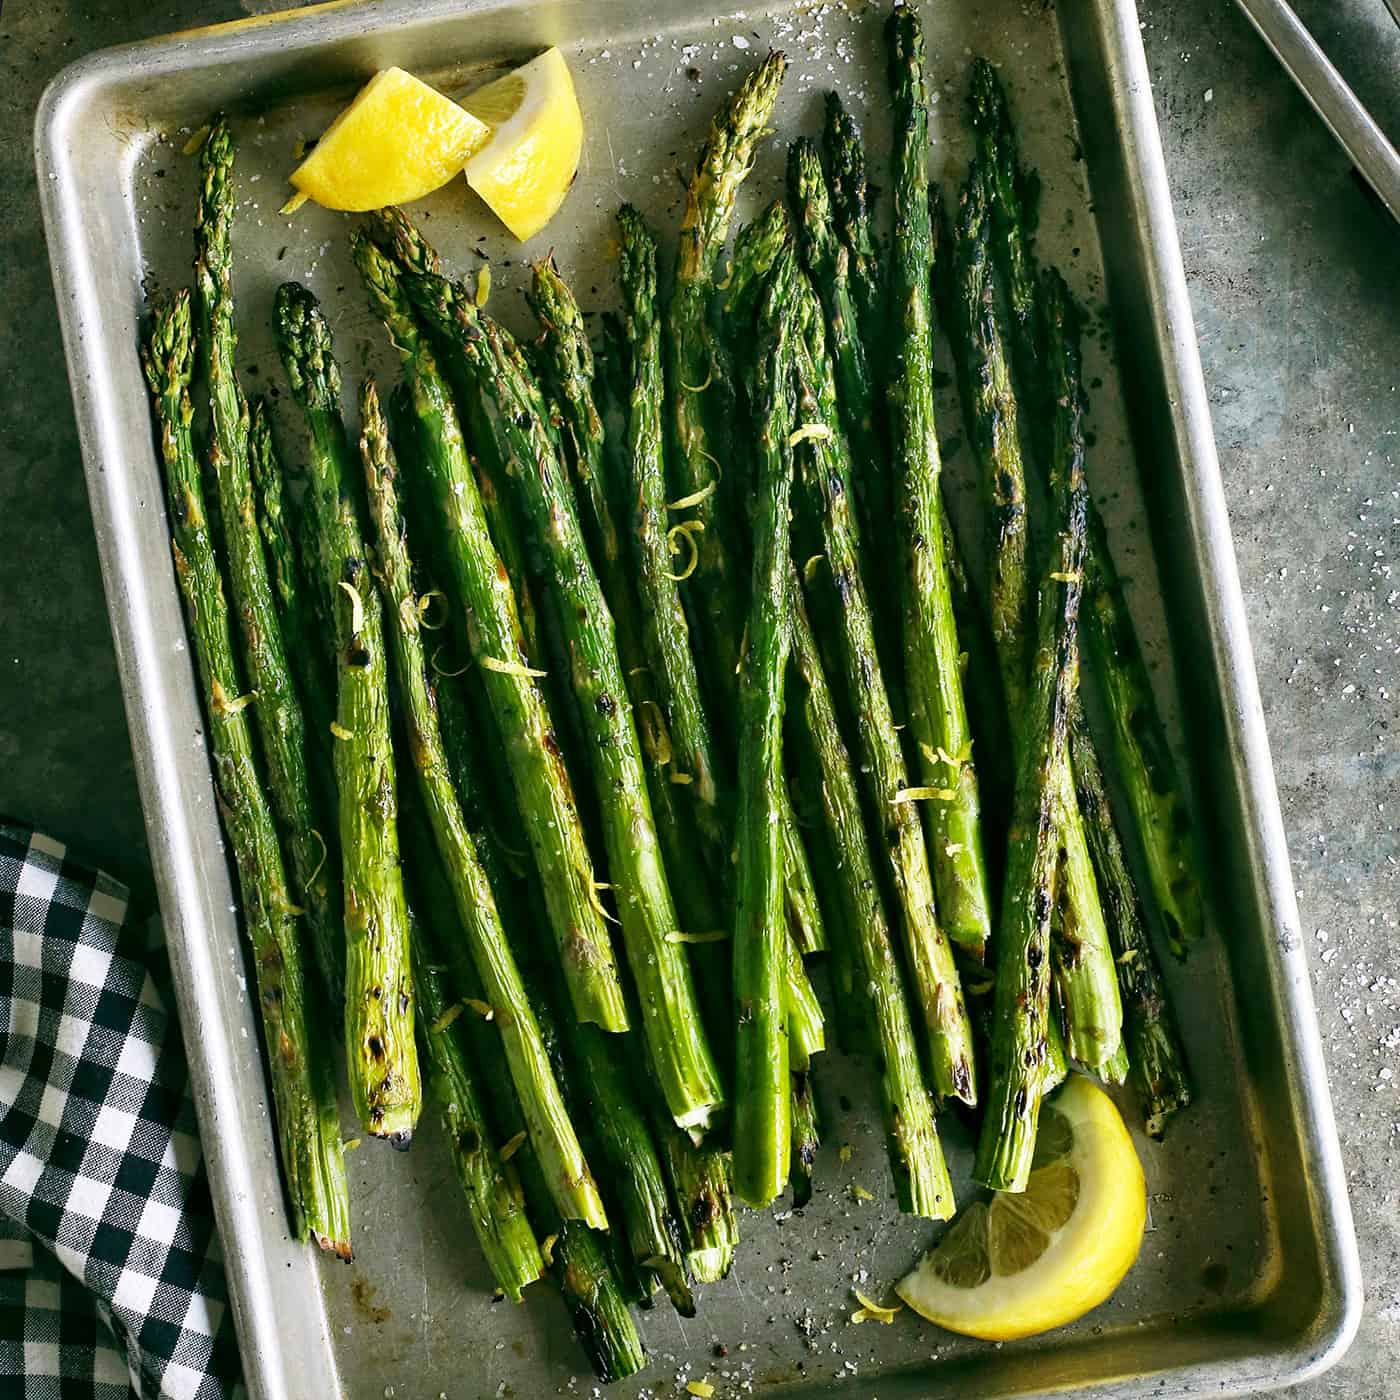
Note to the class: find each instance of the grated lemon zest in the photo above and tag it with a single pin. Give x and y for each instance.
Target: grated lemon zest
(510, 668)
(695, 497)
(357, 607)
(924, 794)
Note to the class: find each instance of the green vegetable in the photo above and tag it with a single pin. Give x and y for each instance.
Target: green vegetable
(300, 1067)
(483, 589)
(380, 1049)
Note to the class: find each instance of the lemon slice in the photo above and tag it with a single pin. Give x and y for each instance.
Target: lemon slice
(524, 171)
(1024, 1263)
(397, 141)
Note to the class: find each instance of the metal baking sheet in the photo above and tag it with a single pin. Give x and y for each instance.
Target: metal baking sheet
(1249, 1277)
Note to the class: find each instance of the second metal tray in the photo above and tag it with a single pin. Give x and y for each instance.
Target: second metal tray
(1249, 1277)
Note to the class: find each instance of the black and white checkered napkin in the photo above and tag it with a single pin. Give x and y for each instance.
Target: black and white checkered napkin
(111, 1276)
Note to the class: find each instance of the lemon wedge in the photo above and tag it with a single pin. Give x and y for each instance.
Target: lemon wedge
(397, 141)
(524, 171)
(1024, 1263)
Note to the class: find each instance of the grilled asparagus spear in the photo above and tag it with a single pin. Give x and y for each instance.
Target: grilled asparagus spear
(490, 1186)
(932, 674)
(762, 1107)
(716, 587)
(507, 408)
(303, 1084)
(541, 1099)
(1155, 792)
(916, 1156)
(578, 1257)
(844, 148)
(1020, 1054)
(277, 713)
(825, 480)
(483, 588)
(1083, 957)
(383, 1059)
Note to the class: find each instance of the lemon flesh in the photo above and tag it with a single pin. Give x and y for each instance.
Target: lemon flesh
(396, 142)
(1024, 1263)
(524, 171)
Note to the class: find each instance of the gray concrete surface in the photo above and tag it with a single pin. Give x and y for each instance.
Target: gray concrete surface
(1295, 278)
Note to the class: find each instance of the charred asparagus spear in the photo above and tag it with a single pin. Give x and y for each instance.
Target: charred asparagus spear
(1020, 1055)
(844, 148)
(303, 1085)
(933, 675)
(916, 1156)
(383, 1060)
(1083, 957)
(490, 1186)
(296, 610)
(716, 587)
(825, 481)
(806, 1136)
(762, 1107)
(541, 1100)
(828, 263)
(666, 633)
(1156, 1056)
(1155, 792)
(277, 714)
(309, 656)
(507, 409)
(578, 1258)
(483, 588)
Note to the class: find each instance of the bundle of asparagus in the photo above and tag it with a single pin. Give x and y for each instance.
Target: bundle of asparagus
(622, 745)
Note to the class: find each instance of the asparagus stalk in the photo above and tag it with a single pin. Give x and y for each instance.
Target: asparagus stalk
(617, 1124)
(1020, 1051)
(1155, 792)
(933, 675)
(996, 145)
(694, 366)
(565, 361)
(683, 851)
(495, 1200)
(599, 1090)
(805, 1022)
(844, 148)
(483, 588)
(762, 1124)
(916, 1156)
(277, 714)
(828, 263)
(508, 408)
(701, 1186)
(309, 657)
(1156, 1057)
(541, 1099)
(993, 417)
(1085, 979)
(296, 611)
(303, 1088)
(725, 161)
(806, 1136)
(577, 1257)
(380, 1049)
(666, 634)
(826, 481)
(698, 1176)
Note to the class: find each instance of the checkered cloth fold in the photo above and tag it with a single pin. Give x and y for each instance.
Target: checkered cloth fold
(111, 1276)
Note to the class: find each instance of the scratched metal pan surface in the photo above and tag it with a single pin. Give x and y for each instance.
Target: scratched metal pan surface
(1249, 1276)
